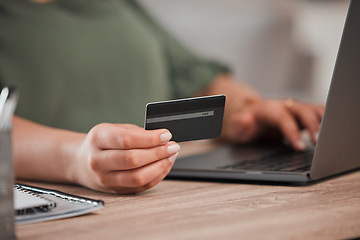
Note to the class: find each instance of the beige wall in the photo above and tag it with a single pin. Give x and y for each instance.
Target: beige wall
(282, 47)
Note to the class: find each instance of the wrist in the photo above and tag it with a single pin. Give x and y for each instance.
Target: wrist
(70, 154)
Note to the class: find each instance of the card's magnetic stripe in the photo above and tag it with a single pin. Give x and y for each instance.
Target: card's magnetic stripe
(180, 117)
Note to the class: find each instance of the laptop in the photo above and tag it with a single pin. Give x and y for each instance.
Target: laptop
(338, 146)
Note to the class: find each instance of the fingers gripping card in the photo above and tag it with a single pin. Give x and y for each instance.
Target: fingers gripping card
(187, 119)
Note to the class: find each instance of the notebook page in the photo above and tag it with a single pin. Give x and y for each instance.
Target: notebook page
(24, 200)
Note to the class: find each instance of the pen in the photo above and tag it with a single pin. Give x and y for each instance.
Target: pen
(8, 101)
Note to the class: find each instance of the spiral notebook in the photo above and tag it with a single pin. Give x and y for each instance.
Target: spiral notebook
(34, 204)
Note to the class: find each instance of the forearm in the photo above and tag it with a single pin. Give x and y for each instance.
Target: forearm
(43, 153)
(226, 84)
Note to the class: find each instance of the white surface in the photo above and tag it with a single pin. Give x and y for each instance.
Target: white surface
(23, 200)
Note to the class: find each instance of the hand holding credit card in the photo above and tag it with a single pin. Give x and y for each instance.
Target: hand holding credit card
(187, 119)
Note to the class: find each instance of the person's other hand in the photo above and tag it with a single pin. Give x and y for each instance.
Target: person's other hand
(274, 118)
(123, 158)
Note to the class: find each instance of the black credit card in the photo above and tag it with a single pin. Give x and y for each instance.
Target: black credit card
(187, 119)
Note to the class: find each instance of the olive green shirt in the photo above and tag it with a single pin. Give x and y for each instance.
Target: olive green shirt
(78, 63)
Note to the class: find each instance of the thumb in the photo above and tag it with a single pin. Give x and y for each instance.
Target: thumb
(246, 130)
(242, 127)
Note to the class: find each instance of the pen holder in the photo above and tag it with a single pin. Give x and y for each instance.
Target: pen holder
(7, 230)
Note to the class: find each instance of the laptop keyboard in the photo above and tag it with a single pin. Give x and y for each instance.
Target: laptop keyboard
(288, 161)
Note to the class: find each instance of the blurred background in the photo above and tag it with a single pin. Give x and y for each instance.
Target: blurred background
(284, 48)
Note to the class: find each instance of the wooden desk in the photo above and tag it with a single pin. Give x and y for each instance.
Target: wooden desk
(207, 210)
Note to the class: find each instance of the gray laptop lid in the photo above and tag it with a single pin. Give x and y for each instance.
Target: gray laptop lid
(338, 147)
